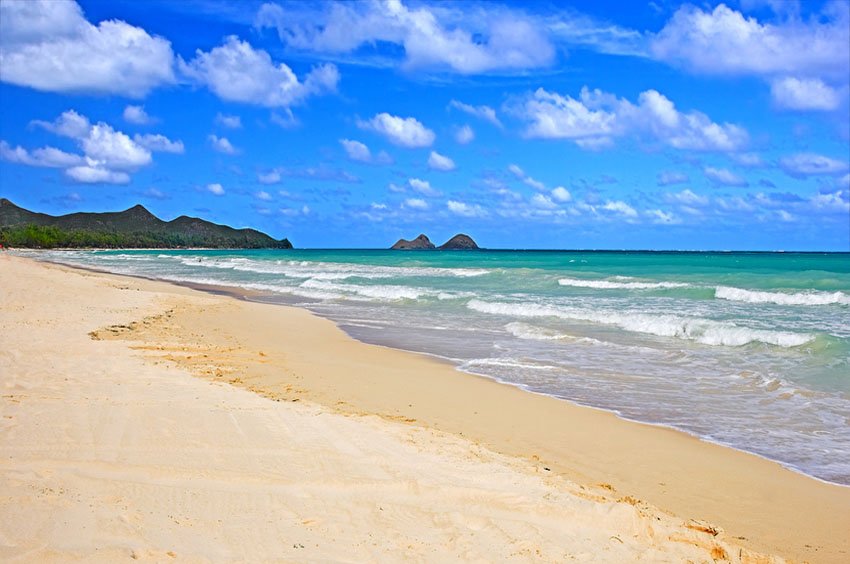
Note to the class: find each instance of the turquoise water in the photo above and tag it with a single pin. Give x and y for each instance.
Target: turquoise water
(750, 350)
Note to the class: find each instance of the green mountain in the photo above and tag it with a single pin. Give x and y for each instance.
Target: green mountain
(132, 228)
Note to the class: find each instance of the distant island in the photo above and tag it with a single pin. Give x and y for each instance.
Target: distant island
(132, 228)
(459, 242)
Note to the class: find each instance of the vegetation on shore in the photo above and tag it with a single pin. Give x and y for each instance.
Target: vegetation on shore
(132, 228)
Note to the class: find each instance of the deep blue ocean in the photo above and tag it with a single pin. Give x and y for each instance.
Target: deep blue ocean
(750, 350)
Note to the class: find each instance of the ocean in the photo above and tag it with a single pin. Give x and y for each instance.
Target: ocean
(749, 350)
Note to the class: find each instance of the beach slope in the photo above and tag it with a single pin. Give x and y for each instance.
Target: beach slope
(112, 447)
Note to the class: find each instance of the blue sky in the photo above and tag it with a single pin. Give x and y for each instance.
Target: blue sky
(653, 125)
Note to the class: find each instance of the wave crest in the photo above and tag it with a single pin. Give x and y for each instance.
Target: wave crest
(705, 331)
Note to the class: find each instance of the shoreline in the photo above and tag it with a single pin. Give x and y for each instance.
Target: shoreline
(761, 504)
(244, 294)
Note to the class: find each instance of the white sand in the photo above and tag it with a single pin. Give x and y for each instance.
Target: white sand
(105, 455)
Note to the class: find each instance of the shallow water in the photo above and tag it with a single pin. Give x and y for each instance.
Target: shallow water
(750, 350)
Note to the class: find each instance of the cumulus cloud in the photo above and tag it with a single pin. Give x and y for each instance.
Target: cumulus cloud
(430, 37)
(230, 122)
(160, 143)
(68, 124)
(49, 45)
(416, 204)
(436, 161)
(215, 189)
(465, 210)
(802, 165)
(482, 112)
(561, 194)
(136, 115)
(804, 94)
(49, 157)
(356, 150)
(270, 177)
(464, 135)
(423, 187)
(620, 207)
(108, 155)
(596, 118)
(222, 144)
(806, 62)
(237, 72)
(97, 175)
(724, 41)
(405, 132)
(724, 176)
(543, 201)
(359, 152)
(263, 195)
(667, 178)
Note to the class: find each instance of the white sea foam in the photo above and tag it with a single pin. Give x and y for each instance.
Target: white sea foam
(522, 330)
(608, 285)
(329, 270)
(811, 297)
(705, 331)
(378, 292)
(506, 363)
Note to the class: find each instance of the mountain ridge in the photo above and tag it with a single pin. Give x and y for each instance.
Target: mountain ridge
(135, 227)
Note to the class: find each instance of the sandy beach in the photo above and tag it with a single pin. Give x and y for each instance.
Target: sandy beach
(150, 421)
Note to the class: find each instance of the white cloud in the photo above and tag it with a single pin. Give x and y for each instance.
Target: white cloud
(69, 124)
(97, 175)
(724, 41)
(431, 37)
(263, 195)
(804, 94)
(724, 176)
(423, 187)
(662, 218)
(222, 145)
(405, 132)
(377, 207)
(359, 152)
(802, 165)
(356, 150)
(216, 189)
(137, 115)
(230, 122)
(48, 45)
(49, 157)
(686, 197)
(159, 143)
(436, 161)
(108, 155)
(482, 112)
(237, 72)
(543, 201)
(465, 210)
(113, 149)
(464, 135)
(844, 181)
(526, 179)
(596, 118)
(561, 194)
(666, 178)
(621, 208)
(416, 203)
(270, 177)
